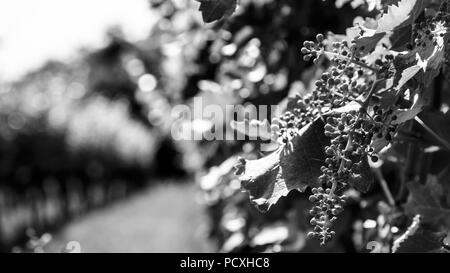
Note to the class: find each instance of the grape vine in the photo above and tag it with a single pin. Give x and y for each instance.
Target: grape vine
(369, 87)
(352, 133)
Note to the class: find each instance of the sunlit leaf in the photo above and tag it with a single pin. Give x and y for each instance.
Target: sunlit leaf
(392, 24)
(428, 58)
(367, 44)
(418, 240)
(400, 15)
(293, 166)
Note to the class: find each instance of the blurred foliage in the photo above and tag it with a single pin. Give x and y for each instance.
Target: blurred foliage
(104, 116)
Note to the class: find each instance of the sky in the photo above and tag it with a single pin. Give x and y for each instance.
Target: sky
(33, 31)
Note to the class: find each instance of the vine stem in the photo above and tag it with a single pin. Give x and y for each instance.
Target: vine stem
(333, 188)
(378, 173)
(384, 186)
(362, 111)
(352, 60)
(408, 171)
(347, 147)
(436, 136)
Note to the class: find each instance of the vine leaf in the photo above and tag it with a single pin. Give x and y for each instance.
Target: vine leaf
(401, 38)
(412, 229)
(393, 24)
(400, 15)
(213, 10)
(430, 201)
(423, 241)
(404, 115)
(293, 166)
(368, 43)
(418, 240)
(428, 58)
(411, 71)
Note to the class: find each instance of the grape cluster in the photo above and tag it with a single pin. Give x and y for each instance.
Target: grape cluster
(385, 66)
(312, 50)
(341, 84)
(351, 134)
(443, 15)
(288, 124)
(424, 34)
(348, 78)
(326, 207)
(383, 126)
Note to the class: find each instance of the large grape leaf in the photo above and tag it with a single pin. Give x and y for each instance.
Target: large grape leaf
(393, 24)
(430, 201)
(419, 240)
(213, 10)
(400, 15)
(412, 229)
(367, 43)
(293, 166)
(400, 38)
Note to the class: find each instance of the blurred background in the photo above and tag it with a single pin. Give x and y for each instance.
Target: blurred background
(86, 92)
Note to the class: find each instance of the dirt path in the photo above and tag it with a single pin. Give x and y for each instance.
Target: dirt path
(164, 218)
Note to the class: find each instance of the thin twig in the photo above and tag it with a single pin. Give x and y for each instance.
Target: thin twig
(365, 66)
(436, 136)
(408, 169)
(350, 60)
(362, 111)
(384, 186)
(425, 168)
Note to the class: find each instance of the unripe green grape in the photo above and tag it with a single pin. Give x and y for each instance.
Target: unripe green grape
(319, 38)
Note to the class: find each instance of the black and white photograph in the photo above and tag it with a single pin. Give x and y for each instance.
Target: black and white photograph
(237, 127)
